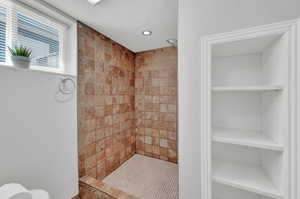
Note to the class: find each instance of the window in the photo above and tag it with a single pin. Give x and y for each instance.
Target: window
(42, 39)
(49, 33)
(52, 37)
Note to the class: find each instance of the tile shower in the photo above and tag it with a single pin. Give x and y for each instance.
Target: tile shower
(127, 105)
(156, 103)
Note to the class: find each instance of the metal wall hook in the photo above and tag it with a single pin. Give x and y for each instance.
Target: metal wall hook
(67, 86)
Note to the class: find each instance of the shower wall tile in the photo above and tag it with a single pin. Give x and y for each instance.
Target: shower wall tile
(156, 103)
(105, 103)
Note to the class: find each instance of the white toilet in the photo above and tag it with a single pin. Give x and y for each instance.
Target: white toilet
(17, 191)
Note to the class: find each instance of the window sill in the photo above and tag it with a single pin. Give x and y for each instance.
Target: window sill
(35, 69)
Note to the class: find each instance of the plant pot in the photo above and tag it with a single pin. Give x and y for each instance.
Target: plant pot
(21, 62)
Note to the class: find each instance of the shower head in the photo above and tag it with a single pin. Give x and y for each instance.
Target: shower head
(173, 42)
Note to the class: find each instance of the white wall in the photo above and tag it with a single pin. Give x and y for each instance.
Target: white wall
(198, 18)
(38, 134)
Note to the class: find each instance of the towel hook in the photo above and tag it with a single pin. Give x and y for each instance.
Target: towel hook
(67, 85)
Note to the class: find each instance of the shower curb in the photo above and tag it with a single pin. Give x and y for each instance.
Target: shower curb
(91, 187)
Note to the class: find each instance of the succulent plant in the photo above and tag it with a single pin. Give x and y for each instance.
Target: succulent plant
(20, 51)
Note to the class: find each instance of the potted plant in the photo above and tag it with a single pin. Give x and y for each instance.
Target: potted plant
(20, 56)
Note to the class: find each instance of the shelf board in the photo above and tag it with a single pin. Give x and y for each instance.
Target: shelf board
(246, 177)
(247, 88)
(244, 138)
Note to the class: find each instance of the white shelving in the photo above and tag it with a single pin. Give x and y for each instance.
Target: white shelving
(245, 177)
(221, 191)
(245, 138)
(249, 113)
(247, 88)
(248, 131)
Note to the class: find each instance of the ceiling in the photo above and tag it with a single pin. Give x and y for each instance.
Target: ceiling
(124, 20)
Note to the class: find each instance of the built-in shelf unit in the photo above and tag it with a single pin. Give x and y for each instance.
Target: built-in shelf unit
(248, 80)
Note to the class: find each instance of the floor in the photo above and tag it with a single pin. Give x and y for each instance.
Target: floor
(146, 178)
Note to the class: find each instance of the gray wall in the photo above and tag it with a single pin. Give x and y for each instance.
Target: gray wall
(38, 134)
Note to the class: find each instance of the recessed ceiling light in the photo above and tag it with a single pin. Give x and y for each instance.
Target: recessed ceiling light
(173, 42)
(94, 2)
(147, 32)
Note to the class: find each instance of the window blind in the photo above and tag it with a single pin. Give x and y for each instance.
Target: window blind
(41, 38)
(32, 30)
(2, 34)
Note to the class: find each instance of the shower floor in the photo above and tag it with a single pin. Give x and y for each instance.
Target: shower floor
(146, 178)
